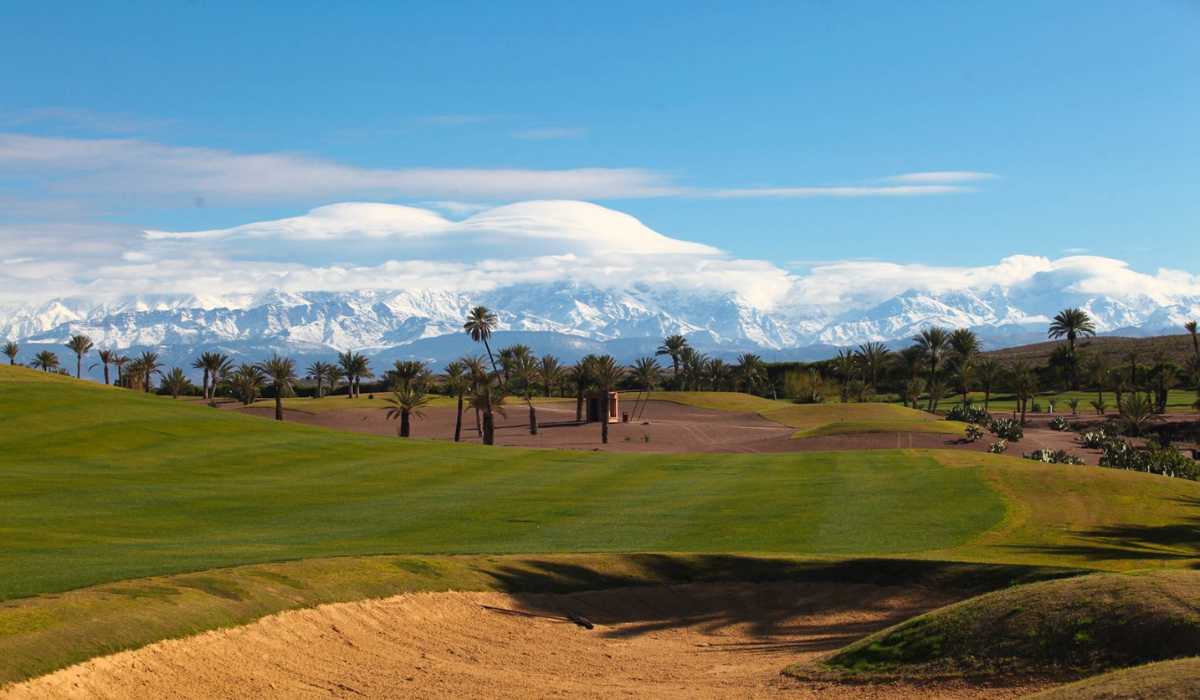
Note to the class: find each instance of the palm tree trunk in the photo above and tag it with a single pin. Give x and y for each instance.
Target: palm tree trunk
(478, 423)
(105, 374)
(320, 386)
(404, 425)
(489, 428)
(278, 404)
(79, 366)
(458, 420)
(579, 405)
(604, 426)
(533, 424)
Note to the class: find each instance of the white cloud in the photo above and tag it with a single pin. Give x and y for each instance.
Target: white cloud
(945, 177)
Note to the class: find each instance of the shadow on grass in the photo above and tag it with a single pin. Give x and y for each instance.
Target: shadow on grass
(782, 617)
(1175, 542)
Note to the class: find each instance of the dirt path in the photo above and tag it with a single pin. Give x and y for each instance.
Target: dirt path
(693, 641)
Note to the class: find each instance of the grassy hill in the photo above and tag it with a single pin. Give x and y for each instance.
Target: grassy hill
(1082, 625)
(1167, 680)
(1114, 347)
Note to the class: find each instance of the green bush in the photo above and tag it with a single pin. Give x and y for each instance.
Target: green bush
(1007, 429)
(974, 415)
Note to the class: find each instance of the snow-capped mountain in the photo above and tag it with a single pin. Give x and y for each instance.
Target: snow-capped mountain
(566, 318)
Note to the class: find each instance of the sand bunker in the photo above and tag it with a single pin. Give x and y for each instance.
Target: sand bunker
(692, 641)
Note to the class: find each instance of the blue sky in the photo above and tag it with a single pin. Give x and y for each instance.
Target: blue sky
(1087, 112)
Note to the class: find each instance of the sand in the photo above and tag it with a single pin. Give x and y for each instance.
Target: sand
(690, 641)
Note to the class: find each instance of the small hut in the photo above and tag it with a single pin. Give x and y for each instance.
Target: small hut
(596, 408)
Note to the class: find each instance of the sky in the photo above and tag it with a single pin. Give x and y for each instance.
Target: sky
(761, 140)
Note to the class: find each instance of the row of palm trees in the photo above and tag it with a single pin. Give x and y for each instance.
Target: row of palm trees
(694, 371)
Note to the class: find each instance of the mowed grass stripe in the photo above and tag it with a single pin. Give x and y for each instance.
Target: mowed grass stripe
(102, 485)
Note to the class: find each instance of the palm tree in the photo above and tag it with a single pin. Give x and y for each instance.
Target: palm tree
(106, 359)
(749, 370)
(1098, 370)
(1131, 356)
(176, 382)
(11, 349)
(552, 373)
(1072, 323)
(692, 365)
(477, 373)
(988, 373)
(149, 366)
(844, 364)
(672, 345)
(719, 373)
(581, 376)
(45, 361)
(457, 384)
(214, 365)
(407, 402)
(246, 382)
(346, 362)
(646, 374)
(937, 391)
(334, 375)
(1190, 327)
(406, 372)
(1024, 383)
(119, 362)
(910, 360)
(873, 358)
(362, 370)
(488, 399)
(479, 325)
(607, 374)
(80, 345)
(933, 341)
(282, 373)
(1138, 411)
(319, 371)
(523, 374)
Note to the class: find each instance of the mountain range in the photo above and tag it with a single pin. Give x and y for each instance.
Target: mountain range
(565, 318)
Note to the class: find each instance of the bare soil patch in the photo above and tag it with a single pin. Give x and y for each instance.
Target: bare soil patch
(687, 641)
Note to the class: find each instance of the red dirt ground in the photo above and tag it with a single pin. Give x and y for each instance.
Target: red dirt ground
(672, 428)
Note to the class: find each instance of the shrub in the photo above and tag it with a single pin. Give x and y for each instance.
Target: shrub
(1074, 404)
(1155, 459)
(969, 414)
(1053, 457)
(998, 447)
(1061, 424)
(1007, 429)
(974, 432)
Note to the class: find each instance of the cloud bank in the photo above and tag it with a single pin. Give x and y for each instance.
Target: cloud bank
(383, 247)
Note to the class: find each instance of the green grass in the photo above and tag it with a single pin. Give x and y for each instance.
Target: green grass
(1082, 625)
(800, 416)
(104, 485)
(328, 404)
(1177, 401)
(1166, 680)
(854, 427)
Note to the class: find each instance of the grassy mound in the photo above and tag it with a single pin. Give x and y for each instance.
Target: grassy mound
(1168, 680)
(1084, 625)
(858, 427)
(799, 416)
(330, 404)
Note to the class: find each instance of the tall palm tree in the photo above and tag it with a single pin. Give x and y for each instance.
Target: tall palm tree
(844, 366)
(319, 371)
(106, 359)
(646, 374)
(362, 370)
(405, 403)
(346, 362)
(214, 365)
(1190, 327)
(607, 374)
(1025, 384)
(176, 382)
(1131, 356)
(553, 374)
(692, 364)
(523, 374)
(1072, 323)
(45, 361)
(718, 373)
(581, 376)
(934, 342)
(282, 373)
(11, 349)
(119, 362)
(873, 357)
(80, 345)
(749, 371)
(149, 365)
(1098, 369)
(488, 399)
(457, 384)
(988, 373)
(479, 325)
(672, 345)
